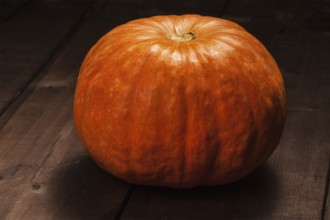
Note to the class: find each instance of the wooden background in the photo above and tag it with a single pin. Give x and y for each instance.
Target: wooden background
(44, 170)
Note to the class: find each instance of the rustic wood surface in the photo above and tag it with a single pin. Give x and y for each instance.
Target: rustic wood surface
(45, 172)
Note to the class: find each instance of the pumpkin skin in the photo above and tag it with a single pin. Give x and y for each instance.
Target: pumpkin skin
(179, 101)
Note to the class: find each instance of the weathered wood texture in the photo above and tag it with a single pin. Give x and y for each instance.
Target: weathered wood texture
(46, 174)
(30, 39)
(44, 171)
(8, 8)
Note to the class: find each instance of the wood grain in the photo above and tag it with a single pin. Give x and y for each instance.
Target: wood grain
(45, 172)
(8, 8)
(40, 155)
(29, 40)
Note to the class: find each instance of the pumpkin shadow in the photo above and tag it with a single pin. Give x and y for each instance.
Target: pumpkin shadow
(253, 197)
(82, 190)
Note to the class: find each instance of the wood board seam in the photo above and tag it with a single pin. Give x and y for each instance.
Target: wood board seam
(223, 10)
(15, 12)
(45, 65)
(125, 202)
(325, 195)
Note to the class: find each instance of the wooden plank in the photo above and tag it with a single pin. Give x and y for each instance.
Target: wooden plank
(292, 183)
(9, 7)
(29, 39)
(203, 7)
(40, 154)
(272, 17)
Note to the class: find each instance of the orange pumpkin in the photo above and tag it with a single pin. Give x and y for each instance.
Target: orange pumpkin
(179, 101)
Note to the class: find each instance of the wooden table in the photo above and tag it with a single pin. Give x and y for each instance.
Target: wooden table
(45, 172)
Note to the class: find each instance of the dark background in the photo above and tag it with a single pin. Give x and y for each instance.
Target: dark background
(44, 170)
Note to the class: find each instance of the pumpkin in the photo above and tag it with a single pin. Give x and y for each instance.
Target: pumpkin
(179, 101)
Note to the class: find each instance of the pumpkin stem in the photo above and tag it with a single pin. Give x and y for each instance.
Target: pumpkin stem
(183, 38)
